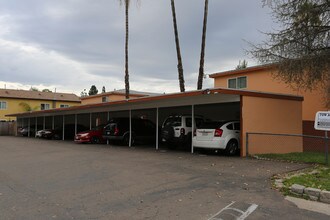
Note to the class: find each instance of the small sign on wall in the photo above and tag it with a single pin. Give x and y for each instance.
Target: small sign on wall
(322, 121)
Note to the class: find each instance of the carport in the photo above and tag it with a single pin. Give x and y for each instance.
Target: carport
(258, 112)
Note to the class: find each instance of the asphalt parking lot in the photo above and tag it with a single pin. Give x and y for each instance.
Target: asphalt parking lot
(42, 179)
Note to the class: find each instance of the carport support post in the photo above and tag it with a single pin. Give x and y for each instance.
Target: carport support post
(63, 127)
(108, 118)
(157, 116)
(130, 128)
(36, 127)
(90, 121)
(29, 124)
(53, 122)
(75, 124)
(192, 127)
(44, 125)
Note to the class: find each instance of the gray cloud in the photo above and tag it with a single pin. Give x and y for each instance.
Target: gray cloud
(72, 44)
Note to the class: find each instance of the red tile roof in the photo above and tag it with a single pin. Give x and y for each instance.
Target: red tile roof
(36, 95)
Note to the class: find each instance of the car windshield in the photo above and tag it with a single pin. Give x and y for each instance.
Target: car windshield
(173, 121)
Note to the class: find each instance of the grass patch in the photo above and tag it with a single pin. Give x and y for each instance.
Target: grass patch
(306, 157)
(319, 179)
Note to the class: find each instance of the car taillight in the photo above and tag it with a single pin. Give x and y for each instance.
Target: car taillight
(182, 131)
(218, 132)
(116, 131)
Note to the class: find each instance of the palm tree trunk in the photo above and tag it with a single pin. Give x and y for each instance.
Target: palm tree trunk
(180, 67)
(201, 64)
(126, 51)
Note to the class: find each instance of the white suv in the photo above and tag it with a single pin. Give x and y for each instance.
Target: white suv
(177, 129)
(219, 135)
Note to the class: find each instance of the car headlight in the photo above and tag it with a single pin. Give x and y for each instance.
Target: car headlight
(84, 135)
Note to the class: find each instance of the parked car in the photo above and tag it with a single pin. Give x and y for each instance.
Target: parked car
(177, 130)
(117, 129)
(24, 131)
(224, 135)
(93, 136)
(57, 133)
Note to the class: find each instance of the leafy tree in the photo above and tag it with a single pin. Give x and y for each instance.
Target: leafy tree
(34, 89)
(242, 65)
(93, 90)
(83, 93)
(46, 90)
(301, 49)
(103, 89)
(27, 108)
(178, 52)
(201, 64)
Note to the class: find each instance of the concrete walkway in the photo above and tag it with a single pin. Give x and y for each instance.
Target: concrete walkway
(310, 205)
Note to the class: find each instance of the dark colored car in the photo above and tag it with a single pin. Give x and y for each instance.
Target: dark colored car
(117, 129)
(57, 133)
(93, 136)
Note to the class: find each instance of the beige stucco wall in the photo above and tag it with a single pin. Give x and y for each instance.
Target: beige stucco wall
(267, 115)
(13, 106)
(262, 80)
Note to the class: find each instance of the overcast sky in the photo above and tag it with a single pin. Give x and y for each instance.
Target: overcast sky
(73, 44)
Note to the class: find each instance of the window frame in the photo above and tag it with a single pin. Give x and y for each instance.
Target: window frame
(5, 104)
(45, 104)
(237, 79)
(105, 99)
(64, 106)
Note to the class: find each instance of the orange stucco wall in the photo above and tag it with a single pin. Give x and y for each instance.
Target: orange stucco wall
(263, 80)
(275, 116)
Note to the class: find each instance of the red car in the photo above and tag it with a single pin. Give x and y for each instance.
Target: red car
(93, 136)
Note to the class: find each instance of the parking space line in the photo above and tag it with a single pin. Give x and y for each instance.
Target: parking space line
(236, 212)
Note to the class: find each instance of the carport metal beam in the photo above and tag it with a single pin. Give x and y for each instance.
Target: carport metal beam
(44, 125)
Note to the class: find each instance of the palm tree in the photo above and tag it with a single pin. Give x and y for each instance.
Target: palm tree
(201, 64)
(180, 67)
(127, 4)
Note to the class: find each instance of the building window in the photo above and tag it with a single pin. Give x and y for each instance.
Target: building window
(105, 99)
(64, 106)
(3, 105)
(237, 83)
(44, 106)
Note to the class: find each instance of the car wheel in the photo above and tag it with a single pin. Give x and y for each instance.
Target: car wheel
(232, 148)
(126, 140)
(95, 140)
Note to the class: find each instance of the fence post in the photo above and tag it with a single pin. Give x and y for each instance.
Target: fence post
(247, 145)
(326, 148)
